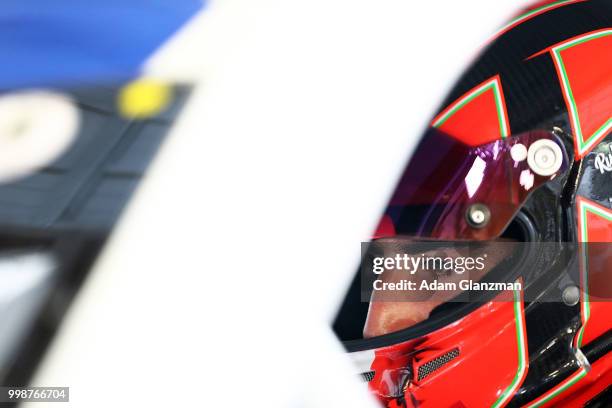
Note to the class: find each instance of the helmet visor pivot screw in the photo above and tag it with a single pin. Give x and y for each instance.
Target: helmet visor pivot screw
(571, 295)
(544, 157)
(478, 215)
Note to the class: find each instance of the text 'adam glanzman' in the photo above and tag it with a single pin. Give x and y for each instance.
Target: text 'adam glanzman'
(435, 285)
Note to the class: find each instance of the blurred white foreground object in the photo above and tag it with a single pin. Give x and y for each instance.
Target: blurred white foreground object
(219, 285)
(25, 281)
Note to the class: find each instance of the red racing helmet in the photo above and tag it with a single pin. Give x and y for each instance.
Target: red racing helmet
(520, 152)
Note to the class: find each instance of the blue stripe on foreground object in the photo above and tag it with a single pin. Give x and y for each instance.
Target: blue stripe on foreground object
(58, 42)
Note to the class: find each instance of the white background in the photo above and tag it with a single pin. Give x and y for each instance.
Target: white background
(219, 285)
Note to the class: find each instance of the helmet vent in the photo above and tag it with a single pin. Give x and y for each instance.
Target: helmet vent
(433, 365)
(368, 376)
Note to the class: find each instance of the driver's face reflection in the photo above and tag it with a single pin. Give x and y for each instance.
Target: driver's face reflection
(407, 308)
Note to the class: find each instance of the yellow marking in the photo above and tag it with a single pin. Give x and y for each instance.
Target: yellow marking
(144, 98)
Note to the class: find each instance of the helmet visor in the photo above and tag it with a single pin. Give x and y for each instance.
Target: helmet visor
(451, 190)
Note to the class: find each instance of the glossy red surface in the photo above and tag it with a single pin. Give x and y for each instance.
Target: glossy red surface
(477, 117)
(487, 365)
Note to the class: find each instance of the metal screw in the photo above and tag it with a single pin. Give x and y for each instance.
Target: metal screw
(571, 295)
(478, 215)
(544, 157)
